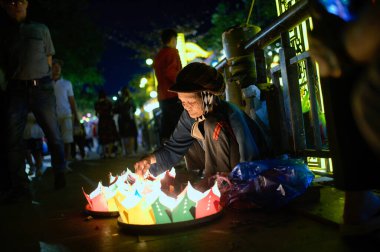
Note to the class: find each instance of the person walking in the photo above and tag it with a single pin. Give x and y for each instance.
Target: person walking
(79, 140)
(346, 46)
(66, 106)
(27, 49)
(106, 130)
(125, 108)
(33, 136)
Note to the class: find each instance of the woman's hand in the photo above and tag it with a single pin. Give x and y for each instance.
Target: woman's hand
(142, 166)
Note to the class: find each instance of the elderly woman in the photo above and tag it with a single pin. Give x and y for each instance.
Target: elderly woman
(212, 134)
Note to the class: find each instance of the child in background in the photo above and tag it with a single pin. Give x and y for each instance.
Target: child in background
(33, 136)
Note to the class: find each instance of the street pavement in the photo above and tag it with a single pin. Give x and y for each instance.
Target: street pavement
(56, 220)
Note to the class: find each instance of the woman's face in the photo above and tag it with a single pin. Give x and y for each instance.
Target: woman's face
(192, 103)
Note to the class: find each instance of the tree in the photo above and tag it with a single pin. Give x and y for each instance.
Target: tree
(232, 13)
(140, 96)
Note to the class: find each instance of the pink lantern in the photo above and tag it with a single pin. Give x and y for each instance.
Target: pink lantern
(102, 199)
(209, 204)
(96, 200)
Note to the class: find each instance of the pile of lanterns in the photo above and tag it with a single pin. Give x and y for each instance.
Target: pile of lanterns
(150, 200)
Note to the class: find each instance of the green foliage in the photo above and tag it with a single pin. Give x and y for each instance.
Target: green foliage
(227, 14)
(140, 96)
(235, 13)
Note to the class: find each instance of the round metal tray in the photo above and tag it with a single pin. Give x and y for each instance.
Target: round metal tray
(167, 227)
(102, 214)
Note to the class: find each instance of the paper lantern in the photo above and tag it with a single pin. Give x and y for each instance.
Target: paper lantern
(162, 209)
(150, 200)
(97, 200)
(136, 210)
(185, 206)
(209, 204)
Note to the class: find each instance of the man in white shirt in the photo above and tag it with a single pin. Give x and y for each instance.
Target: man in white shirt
(66, 106)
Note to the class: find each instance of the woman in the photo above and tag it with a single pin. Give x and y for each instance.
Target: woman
(126, 108)
(213, 134)
(106, 126)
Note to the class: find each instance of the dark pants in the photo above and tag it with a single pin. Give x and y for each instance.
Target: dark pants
(171, 110)
(218, 152)
(356, 166)
(40, 100)
(80, 141)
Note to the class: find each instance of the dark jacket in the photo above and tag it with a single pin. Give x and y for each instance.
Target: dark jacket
(253, 143)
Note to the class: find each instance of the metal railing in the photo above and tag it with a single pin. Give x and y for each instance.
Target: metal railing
(283, 93)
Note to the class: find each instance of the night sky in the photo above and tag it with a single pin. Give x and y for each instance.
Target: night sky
(124, 19)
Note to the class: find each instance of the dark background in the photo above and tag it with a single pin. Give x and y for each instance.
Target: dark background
(128, 22)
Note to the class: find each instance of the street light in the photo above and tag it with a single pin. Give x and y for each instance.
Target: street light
(149, 61)
(153, 94)
(143, 81)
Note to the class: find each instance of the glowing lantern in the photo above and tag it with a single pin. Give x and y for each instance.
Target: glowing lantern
(188, 51)
(194, 51)
(101, 199)
(162, 207)
(209, 204)
(144, 201)
(186, 202)
(182, 212)
(136, 210)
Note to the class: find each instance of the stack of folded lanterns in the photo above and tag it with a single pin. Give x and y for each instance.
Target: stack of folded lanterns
(150, 200)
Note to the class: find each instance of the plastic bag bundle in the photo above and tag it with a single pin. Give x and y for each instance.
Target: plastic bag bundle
(267, 183)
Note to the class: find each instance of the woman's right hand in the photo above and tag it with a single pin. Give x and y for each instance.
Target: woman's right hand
(142, 166)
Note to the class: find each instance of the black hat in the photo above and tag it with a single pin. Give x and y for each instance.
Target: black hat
(197, 77)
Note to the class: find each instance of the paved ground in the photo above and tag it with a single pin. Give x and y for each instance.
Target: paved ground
(55, 221)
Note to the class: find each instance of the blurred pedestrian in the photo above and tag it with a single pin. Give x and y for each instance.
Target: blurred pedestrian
(79, 141)
(143, 132)
(33, 136)
(66, 106)
(106, 129)
(27, 49)
(346, 45)
(125, 108)
(167, 64)
(88, 129)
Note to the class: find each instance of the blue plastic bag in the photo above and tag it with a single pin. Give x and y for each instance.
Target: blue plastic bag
(268, 183)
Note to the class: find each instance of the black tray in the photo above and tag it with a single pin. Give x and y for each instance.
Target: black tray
(167, 227)
(102, 214)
